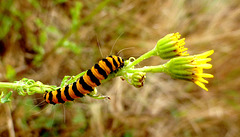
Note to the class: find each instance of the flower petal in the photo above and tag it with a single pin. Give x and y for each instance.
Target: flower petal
(200, 84)
(206, 75)
(205, 66)
(205, 54)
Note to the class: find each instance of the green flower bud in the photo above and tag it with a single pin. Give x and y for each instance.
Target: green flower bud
(171, 46)
(138, 79)
(191, 68)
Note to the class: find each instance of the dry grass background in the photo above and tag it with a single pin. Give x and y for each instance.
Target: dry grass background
(163, 107)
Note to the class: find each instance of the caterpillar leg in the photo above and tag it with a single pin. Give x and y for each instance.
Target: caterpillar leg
(94, 95)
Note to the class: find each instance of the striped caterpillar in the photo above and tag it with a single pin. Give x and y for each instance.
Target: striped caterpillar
(86, 83)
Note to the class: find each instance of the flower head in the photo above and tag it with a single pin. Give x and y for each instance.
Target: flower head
(138, 79)
(171, 46)
(191, 68)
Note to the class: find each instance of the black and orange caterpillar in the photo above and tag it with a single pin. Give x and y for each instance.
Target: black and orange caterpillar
(86, 83)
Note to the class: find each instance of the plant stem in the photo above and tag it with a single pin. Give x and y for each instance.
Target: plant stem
(24, 87)
(151, 69)
(8, 85)
(141, 58)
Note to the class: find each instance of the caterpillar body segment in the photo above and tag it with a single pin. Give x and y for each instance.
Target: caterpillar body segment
(86, 83)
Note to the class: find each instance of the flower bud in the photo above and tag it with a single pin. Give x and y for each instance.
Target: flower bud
(171, 46)
(138, 79)
(191, 68)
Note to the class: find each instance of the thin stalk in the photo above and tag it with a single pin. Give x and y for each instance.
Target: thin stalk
(32, 88)
(141, 58)
(8, 85)
(151, 69)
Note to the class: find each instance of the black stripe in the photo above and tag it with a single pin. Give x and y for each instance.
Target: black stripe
(50, 98)
(122, 62)
(101, 71)
(85, 85)
(93, 78)
(115, 63)
(45, 94)
(75, 90)
(60, 100)
(66, 93)
(119, 60)
(109, 65)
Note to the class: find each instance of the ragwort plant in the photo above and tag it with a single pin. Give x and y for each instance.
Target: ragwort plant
(181, 65)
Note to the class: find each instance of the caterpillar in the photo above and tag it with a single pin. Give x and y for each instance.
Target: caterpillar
(86, 83)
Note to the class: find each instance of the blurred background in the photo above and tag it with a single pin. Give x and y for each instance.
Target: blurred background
(46, 40)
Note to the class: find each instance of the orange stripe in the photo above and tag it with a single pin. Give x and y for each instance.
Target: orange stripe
(103, 65)
(97, 74)
(71, 93)
(54, 98)
(63, 95)
(87, 79)
(47, 98)
(81, 89)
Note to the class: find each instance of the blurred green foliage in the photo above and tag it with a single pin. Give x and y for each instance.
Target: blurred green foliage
(10, 73)
(75, 13)
(9, 18)
(59, 1)
(35, 4)
(128, 134)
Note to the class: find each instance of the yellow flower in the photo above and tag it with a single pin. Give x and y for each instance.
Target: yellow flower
(201, 63)
(171, 46)
(191, 68)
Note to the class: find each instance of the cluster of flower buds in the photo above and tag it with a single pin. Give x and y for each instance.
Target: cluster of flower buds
(181, 64)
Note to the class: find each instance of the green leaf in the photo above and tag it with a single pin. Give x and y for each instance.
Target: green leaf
(6, 98)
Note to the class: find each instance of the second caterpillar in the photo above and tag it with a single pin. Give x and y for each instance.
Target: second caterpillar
(86, 83)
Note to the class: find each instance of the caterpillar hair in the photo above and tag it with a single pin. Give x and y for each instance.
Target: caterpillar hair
(86, 83)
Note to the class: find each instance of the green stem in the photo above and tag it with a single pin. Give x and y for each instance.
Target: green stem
(30, 89)
(141, 58)
(8, 85)
(152, 69)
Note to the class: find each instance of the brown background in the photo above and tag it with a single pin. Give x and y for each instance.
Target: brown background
(162, 108)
